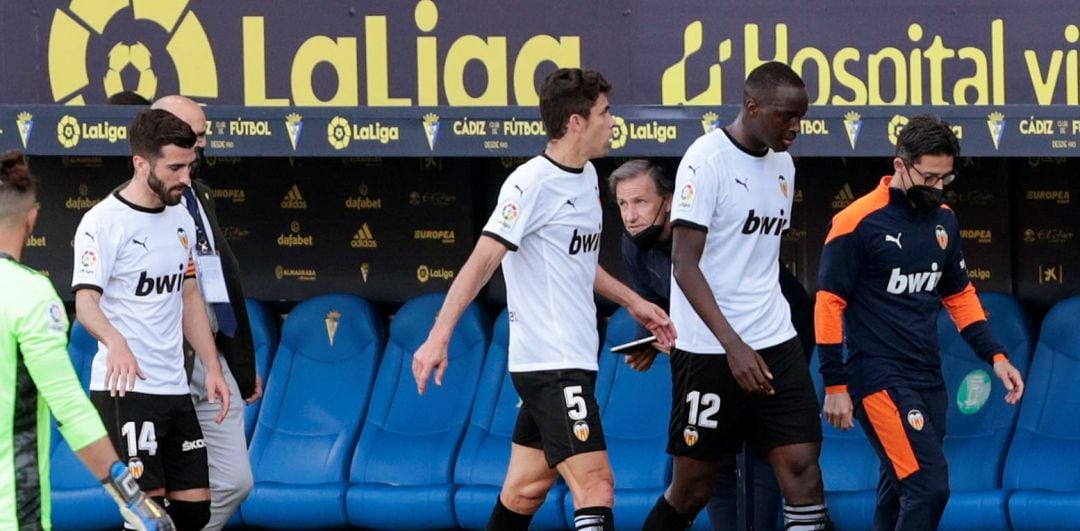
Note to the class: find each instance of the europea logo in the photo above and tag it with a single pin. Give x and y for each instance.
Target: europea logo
(584, 243)
(913, 282)
(764, 224)
(159, 285)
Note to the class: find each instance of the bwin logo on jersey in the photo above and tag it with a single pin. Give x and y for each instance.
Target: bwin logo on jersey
(584, 243)
(764, 224)
(913, 282)
(159, 285)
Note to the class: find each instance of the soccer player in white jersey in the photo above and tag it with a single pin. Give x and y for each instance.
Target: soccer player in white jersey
(549, 217)
(135, 291)
(738, 371)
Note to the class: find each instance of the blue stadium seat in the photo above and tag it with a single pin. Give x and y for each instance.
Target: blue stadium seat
(635, 418)
(980, 423)
(402, 472)
(485, 453)
(264, 334)
(317, 394)
(1043, 465)
(78, 501)
(849, 467)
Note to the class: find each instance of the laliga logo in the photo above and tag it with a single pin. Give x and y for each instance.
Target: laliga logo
(72, 29)
(895, 126)
(67, 131)
(619, 134)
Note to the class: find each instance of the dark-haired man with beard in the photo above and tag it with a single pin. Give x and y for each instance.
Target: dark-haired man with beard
(135, 291)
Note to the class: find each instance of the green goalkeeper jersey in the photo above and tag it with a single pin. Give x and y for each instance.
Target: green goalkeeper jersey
(35, 376)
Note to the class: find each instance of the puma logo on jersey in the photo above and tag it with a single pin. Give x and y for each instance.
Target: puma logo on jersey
(520, 190)
(159, 285)
(584, 243)
(900, 283)
(894, 239)
(692, 169)
(743, 183)
(764, 224)
(91, 236)
(141, 243)
(571, 203)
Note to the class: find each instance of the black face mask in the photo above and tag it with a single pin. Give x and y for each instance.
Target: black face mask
(925, 199)
(646, 239)
(200, 163)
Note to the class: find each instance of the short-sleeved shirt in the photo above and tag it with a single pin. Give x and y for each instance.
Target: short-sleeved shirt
(549, 217)
(33, 347)
(743, 202)
(138, 259)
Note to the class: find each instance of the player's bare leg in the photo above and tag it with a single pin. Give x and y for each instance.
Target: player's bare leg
(528, 480)
(592, 484)
(691, 486)
(799, 475)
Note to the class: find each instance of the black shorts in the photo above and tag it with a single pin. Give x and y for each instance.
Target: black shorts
(711, 416)
(558, 413)
(158, 436)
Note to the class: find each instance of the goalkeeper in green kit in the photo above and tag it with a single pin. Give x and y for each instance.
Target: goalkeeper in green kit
(36, 376)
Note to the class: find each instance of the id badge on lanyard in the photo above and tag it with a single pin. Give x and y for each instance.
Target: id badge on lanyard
(211, 276)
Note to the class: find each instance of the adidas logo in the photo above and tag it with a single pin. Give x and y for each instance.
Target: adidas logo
(293, 199)
(363, 239)
(844, 197)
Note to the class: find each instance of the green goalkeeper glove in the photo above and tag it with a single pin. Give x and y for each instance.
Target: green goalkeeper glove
(137, 508)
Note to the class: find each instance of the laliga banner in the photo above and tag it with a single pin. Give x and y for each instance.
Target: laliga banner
(639, 130)
(492, 53)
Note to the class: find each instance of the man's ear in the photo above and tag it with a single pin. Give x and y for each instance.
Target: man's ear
(898, 164)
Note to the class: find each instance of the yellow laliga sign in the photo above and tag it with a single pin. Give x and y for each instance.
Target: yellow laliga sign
(73, 28)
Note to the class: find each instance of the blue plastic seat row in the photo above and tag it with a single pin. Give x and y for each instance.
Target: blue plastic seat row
(343, 439)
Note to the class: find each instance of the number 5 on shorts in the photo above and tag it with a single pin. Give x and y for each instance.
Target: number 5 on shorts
(575, 403)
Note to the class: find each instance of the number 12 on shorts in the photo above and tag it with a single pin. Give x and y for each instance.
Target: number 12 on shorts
(703, 417)
(144, 439)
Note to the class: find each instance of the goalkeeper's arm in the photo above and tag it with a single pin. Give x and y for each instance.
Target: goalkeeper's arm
(139, 510)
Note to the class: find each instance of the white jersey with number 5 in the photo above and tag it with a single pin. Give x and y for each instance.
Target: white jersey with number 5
(743, 202)
(549, 217)
(137, 258)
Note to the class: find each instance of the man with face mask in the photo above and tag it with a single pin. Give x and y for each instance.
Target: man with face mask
(643, 194)
(891, 259)
(219, 273)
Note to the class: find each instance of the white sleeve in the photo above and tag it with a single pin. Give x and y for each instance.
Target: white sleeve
(519, 211)
(699, 190)
(95, 253)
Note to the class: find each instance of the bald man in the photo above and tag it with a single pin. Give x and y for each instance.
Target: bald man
(219, 275)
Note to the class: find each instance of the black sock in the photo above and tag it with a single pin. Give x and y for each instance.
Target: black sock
(664, 517)
(189, 516)
(503, 519)
(594, 519)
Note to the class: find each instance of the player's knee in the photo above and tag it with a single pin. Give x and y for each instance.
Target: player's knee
(188, 515)
(526, 498)
(598, 490)
(937, 492)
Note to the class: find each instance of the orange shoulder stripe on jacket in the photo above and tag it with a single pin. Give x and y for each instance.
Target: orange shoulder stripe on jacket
(849, 218)
(829, 318)
(964, 307)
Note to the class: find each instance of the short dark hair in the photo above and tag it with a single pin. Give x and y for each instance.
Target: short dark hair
(566, 92)
(769, 76)
(17, 186)
(127, 97)
(635, 167)
(926, 135)
(153, 129)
